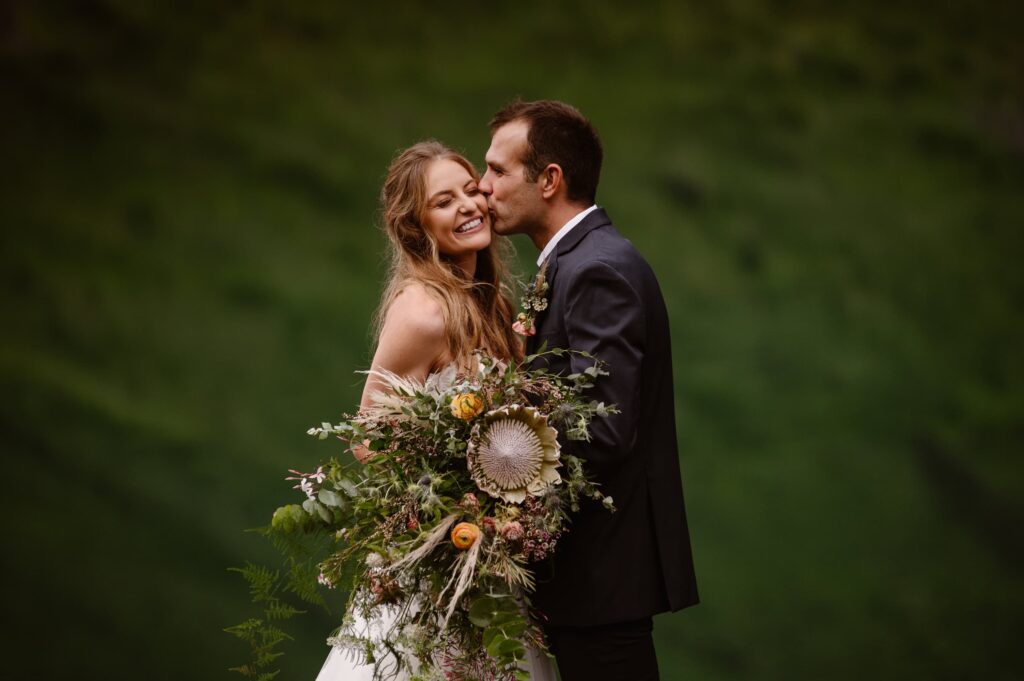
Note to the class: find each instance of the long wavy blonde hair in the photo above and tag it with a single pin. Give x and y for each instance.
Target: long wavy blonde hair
(477, 312)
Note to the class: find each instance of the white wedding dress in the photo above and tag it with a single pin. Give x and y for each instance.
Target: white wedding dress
(342, 666)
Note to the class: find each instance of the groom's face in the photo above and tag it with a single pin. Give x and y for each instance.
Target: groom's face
(515, 203)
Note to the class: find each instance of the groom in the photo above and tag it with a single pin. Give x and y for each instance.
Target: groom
(612, 571)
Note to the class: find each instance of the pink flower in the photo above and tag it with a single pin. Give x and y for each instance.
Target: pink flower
(521, 329)
(512, 532)
(308, 481)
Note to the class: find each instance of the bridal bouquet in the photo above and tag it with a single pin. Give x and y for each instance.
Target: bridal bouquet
(463, 487)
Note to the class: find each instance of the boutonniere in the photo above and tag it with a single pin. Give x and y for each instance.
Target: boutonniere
(534, 300)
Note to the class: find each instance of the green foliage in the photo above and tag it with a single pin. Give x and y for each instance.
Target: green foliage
(503, 623)
(302, 548)
(262, 635)
(302, 582)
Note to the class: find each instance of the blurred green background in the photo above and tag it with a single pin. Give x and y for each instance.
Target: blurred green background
(831, 197)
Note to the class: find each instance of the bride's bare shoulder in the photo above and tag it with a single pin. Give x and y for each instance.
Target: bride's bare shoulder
(412, 341)
(414, 314)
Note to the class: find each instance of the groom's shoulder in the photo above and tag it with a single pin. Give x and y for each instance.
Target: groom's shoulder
(606, 245)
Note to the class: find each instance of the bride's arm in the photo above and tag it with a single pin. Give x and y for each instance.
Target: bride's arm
(411, 342)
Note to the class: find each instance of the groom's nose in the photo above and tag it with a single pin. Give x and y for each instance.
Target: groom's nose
(484, 185)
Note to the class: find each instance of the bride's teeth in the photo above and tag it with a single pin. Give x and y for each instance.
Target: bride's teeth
(469, 225)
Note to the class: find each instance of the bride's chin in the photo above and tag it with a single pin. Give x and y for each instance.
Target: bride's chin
(480, 240)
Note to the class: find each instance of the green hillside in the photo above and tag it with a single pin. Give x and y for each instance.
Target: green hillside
(831, 198)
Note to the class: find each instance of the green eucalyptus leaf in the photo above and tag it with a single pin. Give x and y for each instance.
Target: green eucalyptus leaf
(329, 498)
(489, 635)
(348, 487)
(288, 518)
(505, 604)
(514, 630)
(504, 646)
(514, 648)
(495, 644)
(502, 619)
(315, 508)
(482, 611)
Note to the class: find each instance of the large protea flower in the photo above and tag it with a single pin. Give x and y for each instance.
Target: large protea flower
(515, 454)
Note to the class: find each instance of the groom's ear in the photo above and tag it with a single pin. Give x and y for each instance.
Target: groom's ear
(551, 180)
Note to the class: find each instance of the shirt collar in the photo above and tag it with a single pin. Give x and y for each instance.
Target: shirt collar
(549, 248)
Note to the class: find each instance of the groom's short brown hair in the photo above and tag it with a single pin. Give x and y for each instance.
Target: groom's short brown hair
(558, 134)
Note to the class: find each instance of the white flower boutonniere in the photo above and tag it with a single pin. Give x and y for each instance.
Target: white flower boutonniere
(534, 300)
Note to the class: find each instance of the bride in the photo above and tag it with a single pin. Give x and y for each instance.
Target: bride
(443, 299)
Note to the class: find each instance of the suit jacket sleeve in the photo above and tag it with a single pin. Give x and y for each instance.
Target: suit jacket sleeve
(605, 317)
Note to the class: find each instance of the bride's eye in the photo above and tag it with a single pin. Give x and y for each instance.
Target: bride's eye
(473, 191)
(443, 203)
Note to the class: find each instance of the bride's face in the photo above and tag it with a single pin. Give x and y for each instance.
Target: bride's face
(456, 212)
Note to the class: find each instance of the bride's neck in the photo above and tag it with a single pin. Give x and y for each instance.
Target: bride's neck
(466, 265)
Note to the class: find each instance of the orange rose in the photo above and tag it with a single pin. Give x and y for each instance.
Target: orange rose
(467, 406)
(465, 535)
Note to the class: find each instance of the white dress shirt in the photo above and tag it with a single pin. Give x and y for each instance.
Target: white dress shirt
(550, 246)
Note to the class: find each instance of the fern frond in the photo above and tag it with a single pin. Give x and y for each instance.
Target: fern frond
(262, 581)
(247, 631)
(281, 611)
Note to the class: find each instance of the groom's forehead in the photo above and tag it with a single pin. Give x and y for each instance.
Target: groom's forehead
(509, 141)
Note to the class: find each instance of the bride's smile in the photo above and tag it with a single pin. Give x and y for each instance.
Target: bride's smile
(470, 226)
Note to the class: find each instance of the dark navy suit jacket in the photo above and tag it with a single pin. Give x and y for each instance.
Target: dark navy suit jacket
(616, 567)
